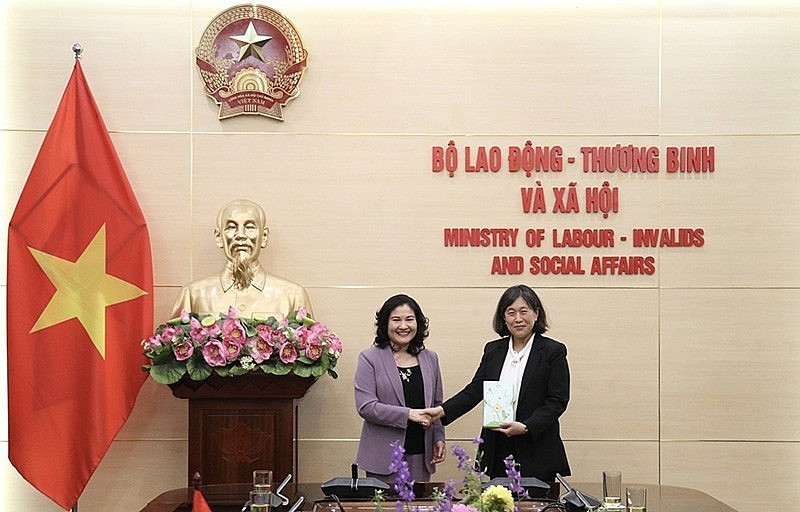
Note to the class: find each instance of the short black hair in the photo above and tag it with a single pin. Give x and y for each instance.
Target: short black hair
(508, 298)
(382, 323)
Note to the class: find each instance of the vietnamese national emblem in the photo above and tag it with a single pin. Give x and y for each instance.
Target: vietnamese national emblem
(251, 60)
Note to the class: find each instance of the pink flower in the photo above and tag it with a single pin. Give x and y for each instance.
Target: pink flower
(153, 342)
(301, 314)
(287, 353)
(232, 330)
(184, 316)
(314, 350)
(334, 344)
(233, 347)
(197, 331)
(308, 335)
(460, 507)
(183, 351)
(170, 334)
(301, 334)
(214, 353)
(271, 336)
(213, 331)
(259, 349)
(232, 313)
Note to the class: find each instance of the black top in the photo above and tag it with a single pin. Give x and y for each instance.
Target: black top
(414, 394)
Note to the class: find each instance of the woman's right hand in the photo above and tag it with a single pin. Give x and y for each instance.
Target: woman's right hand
(434, 413)
(419, 416)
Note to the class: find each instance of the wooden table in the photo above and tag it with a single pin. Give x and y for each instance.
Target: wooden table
(229, 498)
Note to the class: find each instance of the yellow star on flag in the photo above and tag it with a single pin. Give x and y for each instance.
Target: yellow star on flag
(83, 290)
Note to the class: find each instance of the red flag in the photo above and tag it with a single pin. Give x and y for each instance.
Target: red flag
(199, 503)
(80, 300)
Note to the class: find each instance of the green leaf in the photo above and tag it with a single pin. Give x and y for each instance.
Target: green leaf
(317, 371)
(249, 328)
(201, 373)
(222, 371)
(168, 373)
(302, 371)
(237, 370)
(198, 368)
(163, 356)
(304, 360)
(276, 369)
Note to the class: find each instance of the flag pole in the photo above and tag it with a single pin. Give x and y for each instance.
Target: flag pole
(77, 49)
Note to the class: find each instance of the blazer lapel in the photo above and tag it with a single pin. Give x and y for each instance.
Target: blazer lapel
(494, 363)
(535, 355)
(428, 379)
(390, 367)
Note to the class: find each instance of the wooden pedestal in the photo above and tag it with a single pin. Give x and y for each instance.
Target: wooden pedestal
(238, 424)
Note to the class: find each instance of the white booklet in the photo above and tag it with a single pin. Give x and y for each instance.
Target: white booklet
(498, 402)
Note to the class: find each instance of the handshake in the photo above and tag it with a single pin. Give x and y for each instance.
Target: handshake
(426, 417)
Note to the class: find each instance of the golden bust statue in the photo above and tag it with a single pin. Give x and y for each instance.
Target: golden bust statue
(241, 233)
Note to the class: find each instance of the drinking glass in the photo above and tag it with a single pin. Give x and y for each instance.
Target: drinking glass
(636, 498)
(262, 481)
(612, 489)
(259, 501)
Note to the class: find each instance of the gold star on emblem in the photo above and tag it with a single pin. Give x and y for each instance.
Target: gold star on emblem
(83, 290)
(251, 43)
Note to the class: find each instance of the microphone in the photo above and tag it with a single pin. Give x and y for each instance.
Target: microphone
(574, 500)
(354, 477)
(353, 487)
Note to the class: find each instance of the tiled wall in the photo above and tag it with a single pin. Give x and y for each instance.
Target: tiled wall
(687, 377)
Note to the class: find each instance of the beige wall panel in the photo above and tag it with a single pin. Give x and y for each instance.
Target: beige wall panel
(747, 476)
(319, 461)
(158, 167)
(746, 208)
(612, 343)
(158, 465)
(164, 301)
(456, 68)
(728, 367)
(130, 475)
(730, 67)
(638, 461)
(156, 415)
(135, 60)
(375, 200)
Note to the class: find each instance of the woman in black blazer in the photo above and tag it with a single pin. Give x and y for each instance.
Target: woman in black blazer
(537, 365)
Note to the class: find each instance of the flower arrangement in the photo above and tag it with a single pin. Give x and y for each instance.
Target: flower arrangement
(474, 498)
(201, 345)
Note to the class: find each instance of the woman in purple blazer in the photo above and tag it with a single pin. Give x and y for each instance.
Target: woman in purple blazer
(394, 380)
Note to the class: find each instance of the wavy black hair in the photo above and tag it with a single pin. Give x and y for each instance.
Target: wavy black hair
(508, 298)
(382, 323)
